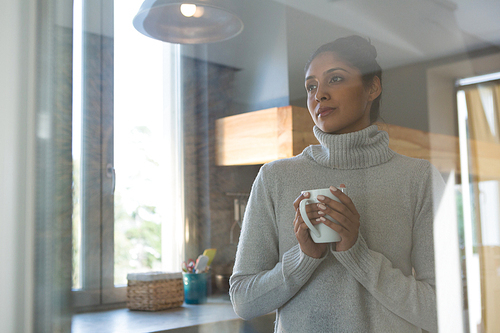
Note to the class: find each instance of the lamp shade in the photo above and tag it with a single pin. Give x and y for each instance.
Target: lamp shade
(200, 21)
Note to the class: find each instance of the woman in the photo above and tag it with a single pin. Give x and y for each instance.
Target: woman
(380, 276)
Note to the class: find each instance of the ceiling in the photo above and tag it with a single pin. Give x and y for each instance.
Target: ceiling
(280, 35)
(417, 29)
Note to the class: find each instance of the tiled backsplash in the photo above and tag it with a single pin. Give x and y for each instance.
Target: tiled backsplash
(210, 189)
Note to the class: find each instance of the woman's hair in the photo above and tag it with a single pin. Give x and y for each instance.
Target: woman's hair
(360, 53)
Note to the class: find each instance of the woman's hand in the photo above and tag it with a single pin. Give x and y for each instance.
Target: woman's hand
(343, 212)
(307, 245)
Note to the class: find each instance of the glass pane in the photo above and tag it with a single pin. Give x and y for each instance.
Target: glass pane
(422, 51)
(138, 146)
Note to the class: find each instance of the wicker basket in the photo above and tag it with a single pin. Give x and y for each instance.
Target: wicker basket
(154, 291)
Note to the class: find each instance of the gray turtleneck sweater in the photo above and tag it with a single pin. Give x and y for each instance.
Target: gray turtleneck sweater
(384, 283)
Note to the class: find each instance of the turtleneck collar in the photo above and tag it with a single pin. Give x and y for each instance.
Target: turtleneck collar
(356, 150)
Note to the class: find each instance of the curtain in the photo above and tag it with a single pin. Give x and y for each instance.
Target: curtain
(483, 111)
(483, 106)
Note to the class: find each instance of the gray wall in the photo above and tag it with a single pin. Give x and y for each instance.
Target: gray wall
(404, 98)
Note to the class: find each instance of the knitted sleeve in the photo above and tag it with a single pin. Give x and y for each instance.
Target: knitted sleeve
(413, 297)
(262, 281)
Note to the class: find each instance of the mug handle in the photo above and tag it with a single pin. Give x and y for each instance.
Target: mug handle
(303, 213)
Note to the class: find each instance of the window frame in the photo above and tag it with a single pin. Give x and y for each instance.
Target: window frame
(97, 169)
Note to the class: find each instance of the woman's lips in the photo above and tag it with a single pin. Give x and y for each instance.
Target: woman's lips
(325, 111)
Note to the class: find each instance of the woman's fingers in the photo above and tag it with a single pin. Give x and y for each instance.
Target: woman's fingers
(345, 219)
(311, 209)
(300, 229)
(337, 227)
(302, 196)
(298, 221)
(345, 213)
(306, 244)
(345, 206)
(344, 224)
(344, 199)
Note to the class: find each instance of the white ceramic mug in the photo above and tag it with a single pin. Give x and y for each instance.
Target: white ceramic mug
(320, 233)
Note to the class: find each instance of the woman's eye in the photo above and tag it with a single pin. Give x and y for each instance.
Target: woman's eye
(336, 79)
(310, 87)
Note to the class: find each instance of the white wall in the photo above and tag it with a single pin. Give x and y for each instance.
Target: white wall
(16, 164)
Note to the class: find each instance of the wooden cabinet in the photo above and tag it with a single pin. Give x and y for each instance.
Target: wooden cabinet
(443, 151)
(263, 136)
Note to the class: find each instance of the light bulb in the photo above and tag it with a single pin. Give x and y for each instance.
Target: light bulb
(188, 10)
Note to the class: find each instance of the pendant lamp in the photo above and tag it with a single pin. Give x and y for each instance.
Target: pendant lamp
(196, 22)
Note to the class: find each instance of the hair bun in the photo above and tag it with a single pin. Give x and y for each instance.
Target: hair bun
(361, 45)
(372, 50)
(364, 46)
(354, 49)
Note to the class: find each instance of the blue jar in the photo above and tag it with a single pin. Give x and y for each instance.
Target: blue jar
(195, 288)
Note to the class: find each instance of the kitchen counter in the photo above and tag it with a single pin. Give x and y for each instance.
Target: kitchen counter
(217, 315)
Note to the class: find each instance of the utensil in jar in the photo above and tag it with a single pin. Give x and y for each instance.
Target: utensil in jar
(201, 264)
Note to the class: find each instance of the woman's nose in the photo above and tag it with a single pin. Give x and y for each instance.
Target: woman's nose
(321, 95)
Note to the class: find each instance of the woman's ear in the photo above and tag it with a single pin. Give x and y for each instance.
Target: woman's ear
(375, 88)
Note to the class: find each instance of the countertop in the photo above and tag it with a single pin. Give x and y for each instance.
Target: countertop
(217, 315)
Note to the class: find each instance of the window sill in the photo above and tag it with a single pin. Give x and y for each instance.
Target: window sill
(217, 314)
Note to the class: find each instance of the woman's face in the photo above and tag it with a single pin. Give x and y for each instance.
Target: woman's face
(337, 99)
